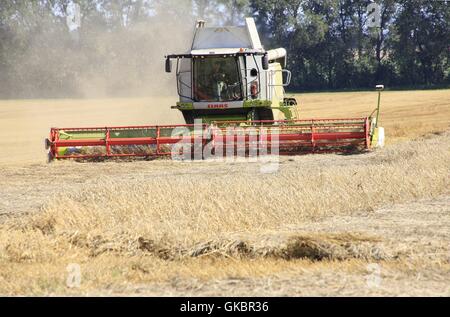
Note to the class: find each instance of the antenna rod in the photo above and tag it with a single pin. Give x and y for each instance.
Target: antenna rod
(380, 88)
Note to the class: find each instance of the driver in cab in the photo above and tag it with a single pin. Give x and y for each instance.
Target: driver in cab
(219, 80)
(215, 84)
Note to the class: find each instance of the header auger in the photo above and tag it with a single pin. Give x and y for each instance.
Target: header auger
(233, 101)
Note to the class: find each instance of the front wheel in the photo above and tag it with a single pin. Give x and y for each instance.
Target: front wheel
(253, 115)
(260, 114)
(188, 117)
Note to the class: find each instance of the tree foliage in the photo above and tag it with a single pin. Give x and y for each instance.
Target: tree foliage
(331, 46)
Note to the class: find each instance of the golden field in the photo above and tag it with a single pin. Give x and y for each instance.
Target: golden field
(25, 123)
(316, 226)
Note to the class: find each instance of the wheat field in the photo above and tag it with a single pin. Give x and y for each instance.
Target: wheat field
(25, 123)
(315, 226)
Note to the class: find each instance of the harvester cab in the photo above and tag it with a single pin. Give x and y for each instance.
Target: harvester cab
(228, 76)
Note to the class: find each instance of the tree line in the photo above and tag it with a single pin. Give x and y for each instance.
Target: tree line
(119, 47)
(332, 45)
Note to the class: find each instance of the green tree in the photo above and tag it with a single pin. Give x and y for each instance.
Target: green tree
(421, 47)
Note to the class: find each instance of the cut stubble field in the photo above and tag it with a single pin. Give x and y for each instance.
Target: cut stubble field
(317, 226)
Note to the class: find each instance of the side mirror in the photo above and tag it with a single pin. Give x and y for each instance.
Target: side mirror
(265, 61)
(168, 65)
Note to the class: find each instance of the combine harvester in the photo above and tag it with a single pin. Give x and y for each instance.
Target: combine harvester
(232, 99)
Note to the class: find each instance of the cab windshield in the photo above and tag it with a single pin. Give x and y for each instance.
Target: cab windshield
(217, 79)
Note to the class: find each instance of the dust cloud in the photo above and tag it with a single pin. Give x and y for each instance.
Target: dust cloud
(109, 55)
